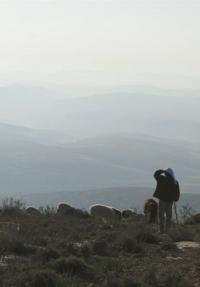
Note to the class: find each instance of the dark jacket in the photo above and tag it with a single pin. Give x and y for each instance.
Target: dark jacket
(166, 189)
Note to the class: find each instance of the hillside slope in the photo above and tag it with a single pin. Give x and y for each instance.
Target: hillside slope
(30, 165)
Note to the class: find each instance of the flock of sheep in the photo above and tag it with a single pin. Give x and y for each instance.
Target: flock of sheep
(113, 214)
(107, 213)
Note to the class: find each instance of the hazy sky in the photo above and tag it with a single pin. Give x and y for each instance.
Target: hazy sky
(100, 42)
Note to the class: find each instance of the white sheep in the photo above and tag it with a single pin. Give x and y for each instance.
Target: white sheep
(108, 213)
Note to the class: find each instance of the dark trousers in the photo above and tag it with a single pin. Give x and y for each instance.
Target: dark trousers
(165, 209)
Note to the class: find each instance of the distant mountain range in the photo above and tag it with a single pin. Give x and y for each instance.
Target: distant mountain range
(96, 142)
(158, 112)
(28, 166)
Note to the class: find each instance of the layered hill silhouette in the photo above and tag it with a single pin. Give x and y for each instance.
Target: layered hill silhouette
(29, 166)
(158, 112)
(96, 142)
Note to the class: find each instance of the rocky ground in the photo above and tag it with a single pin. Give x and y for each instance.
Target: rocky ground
(51, 251)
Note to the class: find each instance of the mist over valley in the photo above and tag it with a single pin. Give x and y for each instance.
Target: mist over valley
(61, 142)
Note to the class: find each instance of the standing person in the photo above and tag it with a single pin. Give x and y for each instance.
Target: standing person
(167, 191)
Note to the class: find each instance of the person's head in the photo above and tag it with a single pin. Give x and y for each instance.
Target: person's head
(169, 171)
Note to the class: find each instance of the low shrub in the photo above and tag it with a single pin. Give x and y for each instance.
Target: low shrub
(113, 280)
(48, 210)
(46, 278)
(131, 282)
(109, 264)
(72, 266)
(181, 233)
(164, 276)
(19, 248)
(72, 249)
(82, 213)
(9, 244)
(41, 241)
(186, 212)
(85, 250)
(147, 237)
(100, 247)
(130, 245)
(168, 245)
(12, 207)
(49, 254)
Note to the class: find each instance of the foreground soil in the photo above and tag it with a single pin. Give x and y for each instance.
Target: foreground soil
(52, 251)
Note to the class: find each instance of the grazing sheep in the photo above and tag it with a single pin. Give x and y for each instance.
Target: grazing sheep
(128, 213)
(106, 212)
(31, 211)
(65, 209)
(151, 210)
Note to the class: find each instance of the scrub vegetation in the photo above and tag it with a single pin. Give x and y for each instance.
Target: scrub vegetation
(77, 251)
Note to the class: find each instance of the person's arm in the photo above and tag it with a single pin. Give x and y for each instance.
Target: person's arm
(158, 173)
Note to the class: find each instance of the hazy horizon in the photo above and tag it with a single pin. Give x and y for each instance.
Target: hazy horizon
(110, 138)
(97, 94)
(99, 43)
